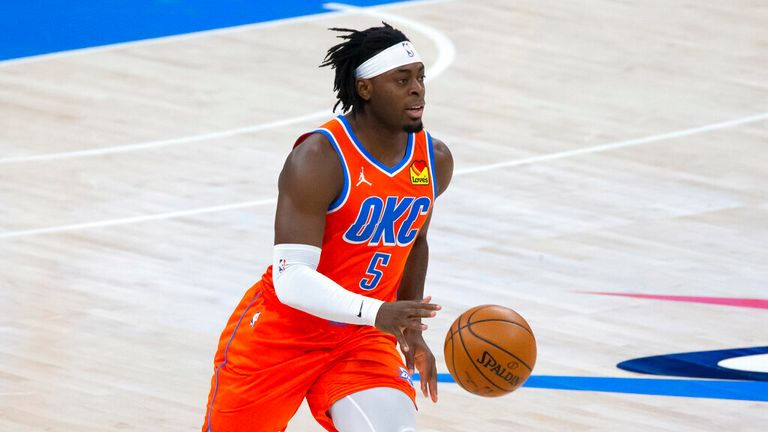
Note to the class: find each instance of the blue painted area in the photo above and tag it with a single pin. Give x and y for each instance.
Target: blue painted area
(30, 28)
(701, 364)
(707, 389)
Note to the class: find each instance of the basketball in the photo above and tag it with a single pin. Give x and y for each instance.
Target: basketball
(490, 350)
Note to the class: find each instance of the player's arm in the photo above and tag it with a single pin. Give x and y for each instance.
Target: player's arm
(311, 179)
(412, 283)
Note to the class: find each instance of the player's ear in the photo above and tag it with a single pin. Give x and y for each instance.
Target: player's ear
(364, 89)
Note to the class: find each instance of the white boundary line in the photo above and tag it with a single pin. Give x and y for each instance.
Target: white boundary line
(197, 34)
(137, 219)
(164, 143)
(446, 52)
(460, 172)
(616, 145)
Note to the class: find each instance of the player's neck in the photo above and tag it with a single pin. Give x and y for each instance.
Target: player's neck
(385, 144)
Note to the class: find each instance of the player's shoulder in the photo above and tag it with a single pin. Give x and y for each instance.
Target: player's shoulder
(313, 144)
(314, 150)
(443, 164)
(441, 148)
(312, 163)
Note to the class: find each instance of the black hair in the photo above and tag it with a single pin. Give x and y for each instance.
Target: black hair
(345, 57)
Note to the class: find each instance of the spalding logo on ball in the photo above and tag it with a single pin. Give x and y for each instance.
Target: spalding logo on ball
(490, 350)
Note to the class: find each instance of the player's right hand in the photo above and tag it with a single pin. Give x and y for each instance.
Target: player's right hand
(395, 317)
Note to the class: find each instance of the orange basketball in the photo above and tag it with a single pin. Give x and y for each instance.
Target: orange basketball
(490, 350)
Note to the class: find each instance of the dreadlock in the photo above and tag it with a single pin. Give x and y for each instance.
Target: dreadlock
(345, 57)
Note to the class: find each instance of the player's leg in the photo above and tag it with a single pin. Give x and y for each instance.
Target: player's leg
(367, 360)
(246, 402)
(256, 386)
(379, 409)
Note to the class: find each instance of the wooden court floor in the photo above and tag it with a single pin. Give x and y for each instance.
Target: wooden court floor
(600, 146)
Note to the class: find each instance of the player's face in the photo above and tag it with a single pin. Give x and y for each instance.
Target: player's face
(398, 97)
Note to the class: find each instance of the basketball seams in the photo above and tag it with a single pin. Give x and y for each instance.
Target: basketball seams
(453, 357)
(471, 360)
(495, 320)
(478, 309)
(453, 362)
(469, 327)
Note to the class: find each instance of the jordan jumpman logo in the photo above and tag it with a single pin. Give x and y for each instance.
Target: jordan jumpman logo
(362, 179)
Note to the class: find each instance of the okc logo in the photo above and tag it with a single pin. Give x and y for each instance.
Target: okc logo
(376, 220)
(419, 173)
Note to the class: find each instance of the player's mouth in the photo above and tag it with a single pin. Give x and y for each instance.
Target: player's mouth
(415, 111)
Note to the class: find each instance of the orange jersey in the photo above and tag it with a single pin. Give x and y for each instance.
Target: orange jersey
(371, 227)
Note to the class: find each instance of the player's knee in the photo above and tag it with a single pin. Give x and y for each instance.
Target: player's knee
(375, 410)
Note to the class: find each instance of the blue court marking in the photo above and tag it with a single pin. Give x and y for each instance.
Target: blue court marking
(30, 28)
(699, 364)
(706, 389)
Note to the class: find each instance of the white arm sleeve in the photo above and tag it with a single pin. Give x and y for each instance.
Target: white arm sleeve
(299, 285)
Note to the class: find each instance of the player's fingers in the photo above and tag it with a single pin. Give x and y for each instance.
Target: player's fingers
(426, 314)
(415, 324)
(428, 301)
(423, 309)
(426, 306)
(426, 375)
(409, 362)
(433, 384)
(419, 315)
(429, 384)
(401, 340)
(421, 304)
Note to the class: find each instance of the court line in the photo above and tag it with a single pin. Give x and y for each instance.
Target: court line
(618, 144)
(459, 172)
(446, 53)
(137, 219)
(694, 388)
(721, 301)
(164, 143)
(193, 35)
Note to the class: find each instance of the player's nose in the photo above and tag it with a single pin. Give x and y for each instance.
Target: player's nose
(417, 87)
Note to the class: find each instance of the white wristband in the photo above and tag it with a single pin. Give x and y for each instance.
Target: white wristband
(299, 285)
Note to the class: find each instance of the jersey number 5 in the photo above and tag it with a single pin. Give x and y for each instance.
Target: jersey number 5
(374, 272)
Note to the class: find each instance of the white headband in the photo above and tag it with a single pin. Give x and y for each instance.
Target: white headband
(401, 53)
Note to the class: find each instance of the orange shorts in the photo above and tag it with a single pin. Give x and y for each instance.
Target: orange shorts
(271, 357)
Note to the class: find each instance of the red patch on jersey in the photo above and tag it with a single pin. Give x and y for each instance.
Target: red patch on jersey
(419, 173)
(419, 165)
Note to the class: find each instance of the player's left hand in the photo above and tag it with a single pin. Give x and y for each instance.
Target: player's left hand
(421, 356)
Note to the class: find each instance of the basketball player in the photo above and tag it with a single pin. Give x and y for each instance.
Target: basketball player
(350, 258)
